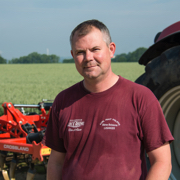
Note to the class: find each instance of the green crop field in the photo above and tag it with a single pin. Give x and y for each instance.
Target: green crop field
(30, 83)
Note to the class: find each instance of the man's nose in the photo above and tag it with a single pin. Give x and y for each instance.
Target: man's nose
(88, 55)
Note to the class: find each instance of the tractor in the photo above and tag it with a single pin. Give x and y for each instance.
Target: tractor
(162, 77)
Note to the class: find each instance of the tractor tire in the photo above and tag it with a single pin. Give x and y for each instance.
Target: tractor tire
(162, 77)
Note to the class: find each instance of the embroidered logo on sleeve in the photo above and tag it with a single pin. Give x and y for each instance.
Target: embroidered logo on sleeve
(109, 123)
(75, 125)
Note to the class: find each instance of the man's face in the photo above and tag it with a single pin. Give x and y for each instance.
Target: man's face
(92, 55)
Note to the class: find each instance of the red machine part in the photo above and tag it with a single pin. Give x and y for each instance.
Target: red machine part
(21, 134)
(12, 120)
(19, 145)
(13, 136)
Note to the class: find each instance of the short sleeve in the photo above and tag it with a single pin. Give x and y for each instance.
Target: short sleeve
(51, 138)
(154, 127)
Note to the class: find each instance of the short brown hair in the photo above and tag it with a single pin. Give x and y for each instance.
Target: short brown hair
(86, 26)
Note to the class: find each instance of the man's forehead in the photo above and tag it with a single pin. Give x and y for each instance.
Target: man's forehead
(78, 36)
(84, 32)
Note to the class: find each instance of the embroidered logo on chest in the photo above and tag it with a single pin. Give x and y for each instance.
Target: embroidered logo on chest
(109, 123)
(75, 125)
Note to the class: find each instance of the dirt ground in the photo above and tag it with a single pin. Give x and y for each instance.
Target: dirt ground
(21, 174)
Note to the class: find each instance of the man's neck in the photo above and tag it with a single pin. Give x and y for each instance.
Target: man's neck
(96, 86)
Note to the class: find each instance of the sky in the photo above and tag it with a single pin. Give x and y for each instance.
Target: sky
(44, 26)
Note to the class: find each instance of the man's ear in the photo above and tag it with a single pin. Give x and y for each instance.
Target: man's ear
(112, 49)
(72, 53)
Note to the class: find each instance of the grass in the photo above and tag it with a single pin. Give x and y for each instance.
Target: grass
(30, 83)
(129, 71)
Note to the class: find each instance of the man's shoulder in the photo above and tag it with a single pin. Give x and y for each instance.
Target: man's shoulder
(132, 86)
(71, 88)
(136, 91)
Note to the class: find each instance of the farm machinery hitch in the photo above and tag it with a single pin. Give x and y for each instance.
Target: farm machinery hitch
(20, 138)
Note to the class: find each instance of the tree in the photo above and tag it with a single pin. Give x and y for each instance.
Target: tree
(68, 60)
(36, 58)
(2, 60)
(120, 58)
(135, 55)
(131, 56)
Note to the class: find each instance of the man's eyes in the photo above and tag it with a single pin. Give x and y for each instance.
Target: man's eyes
(95, 49)
(79, 52)
(92, 50)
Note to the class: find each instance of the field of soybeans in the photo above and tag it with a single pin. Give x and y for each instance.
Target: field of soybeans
(30, 83)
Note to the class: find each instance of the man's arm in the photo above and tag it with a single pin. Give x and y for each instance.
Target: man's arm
(55, 165)
(160, 160)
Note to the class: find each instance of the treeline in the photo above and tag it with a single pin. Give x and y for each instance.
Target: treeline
(2, 60)
(68, 60)
(35, 58)
(43, 58)
(129, 57)
(32, 58)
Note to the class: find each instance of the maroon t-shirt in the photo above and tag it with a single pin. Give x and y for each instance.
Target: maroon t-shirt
(105, 134)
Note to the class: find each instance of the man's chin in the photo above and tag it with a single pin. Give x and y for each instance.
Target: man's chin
(90, 76)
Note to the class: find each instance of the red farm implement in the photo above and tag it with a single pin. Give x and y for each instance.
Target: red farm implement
(20, 138)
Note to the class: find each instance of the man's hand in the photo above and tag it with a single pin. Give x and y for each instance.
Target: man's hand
(160, 160)
(55, 165)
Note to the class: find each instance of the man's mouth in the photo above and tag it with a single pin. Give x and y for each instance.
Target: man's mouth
(89, 67)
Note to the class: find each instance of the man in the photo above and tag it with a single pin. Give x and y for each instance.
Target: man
(100, 127)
